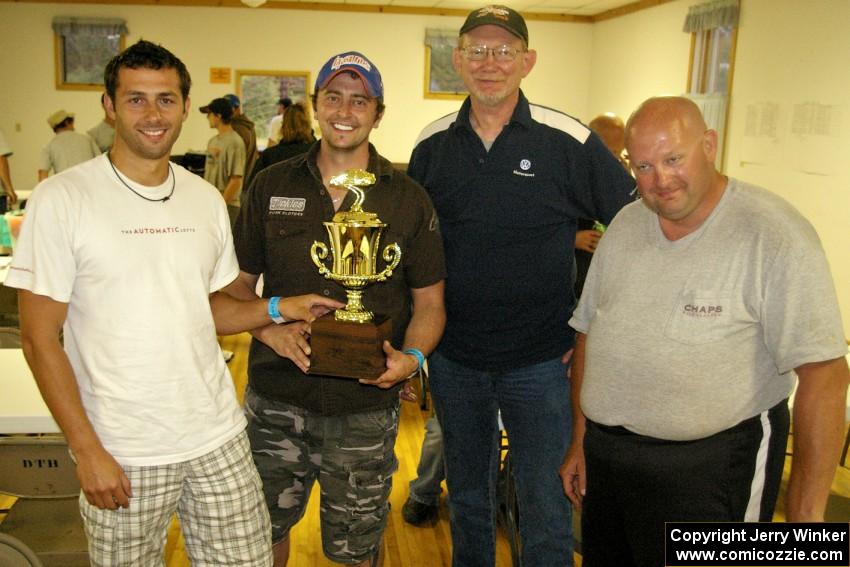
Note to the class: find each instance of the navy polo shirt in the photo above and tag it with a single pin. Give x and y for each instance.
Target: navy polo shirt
(508, 219)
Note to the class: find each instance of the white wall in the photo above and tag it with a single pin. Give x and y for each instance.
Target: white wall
(792, 53)
(638, 56)
(260, 39)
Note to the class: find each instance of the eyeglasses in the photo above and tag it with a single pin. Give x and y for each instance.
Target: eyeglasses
(503, 53)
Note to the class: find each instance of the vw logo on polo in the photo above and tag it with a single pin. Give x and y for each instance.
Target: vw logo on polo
(525, 165)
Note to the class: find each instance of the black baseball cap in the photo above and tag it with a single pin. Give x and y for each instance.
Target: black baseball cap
(497, 15)
(220, 106)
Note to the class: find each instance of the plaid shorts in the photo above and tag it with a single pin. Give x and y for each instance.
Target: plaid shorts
(351, 456)
(218, 498)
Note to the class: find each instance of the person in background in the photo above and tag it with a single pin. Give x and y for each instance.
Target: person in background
(612, 131)
(703, 301)
(274, 124)
(508, 179)
(104, 133)
(296, 138)
(307, 427)
(67, 148)
(5, 172)
(243, 126)
(225, 164)
(423, 499)
(122, 258)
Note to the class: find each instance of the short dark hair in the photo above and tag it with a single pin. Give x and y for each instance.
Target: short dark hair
(145, 55)
(64, 124)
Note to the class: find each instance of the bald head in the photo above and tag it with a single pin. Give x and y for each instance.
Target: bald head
(612, 131)
(665, 111)
(672, 155)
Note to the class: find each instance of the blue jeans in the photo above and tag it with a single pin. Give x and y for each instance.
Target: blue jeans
(535, 408)
(430, 472)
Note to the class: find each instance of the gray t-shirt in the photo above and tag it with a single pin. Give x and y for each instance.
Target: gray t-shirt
(67, 149)
(225, 158)
(687, 338)
(103, 135)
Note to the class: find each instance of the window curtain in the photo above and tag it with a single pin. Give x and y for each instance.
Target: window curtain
(90, 26)
(711, 15)
(435, 38)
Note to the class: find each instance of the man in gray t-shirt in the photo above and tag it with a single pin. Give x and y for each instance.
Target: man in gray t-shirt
(67, 148)
(701, 303)
(225, 164)
(104, 133)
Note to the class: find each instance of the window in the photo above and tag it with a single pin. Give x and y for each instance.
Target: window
(83, 47)
(713, 27)
(711, 60)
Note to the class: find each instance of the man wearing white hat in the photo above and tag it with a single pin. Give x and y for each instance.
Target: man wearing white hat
(67, 148)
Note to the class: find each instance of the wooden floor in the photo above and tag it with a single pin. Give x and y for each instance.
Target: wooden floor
(406, 545)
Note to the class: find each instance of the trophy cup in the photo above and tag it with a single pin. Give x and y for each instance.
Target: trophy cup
(349, 343)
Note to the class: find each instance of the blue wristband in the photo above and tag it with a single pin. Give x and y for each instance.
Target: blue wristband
(274, 311)
(420, 358)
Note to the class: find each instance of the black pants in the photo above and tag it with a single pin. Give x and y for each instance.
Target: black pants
(636, 483)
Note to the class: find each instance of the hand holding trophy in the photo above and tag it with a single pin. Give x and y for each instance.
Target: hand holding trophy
(349, 344)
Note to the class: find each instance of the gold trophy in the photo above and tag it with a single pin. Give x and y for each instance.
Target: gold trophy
(350, 343)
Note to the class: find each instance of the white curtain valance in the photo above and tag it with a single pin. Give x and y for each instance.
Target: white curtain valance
(711, 15)
(90, 26)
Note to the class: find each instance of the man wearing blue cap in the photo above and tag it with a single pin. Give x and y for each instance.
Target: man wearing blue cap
(244, 126)
(509, 180)
(339, 431)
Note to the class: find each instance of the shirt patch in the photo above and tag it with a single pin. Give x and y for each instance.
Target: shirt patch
(524, 166)
(702, 310)
(290, 204)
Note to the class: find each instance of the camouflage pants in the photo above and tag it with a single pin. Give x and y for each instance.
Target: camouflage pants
(351, 456)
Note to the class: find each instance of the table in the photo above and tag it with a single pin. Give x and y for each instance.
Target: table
(22, 410)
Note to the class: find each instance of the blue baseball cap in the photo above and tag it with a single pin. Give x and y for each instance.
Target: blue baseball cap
(356, 63)
(233, 100)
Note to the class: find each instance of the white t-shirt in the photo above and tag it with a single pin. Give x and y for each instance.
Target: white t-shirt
(274, 128)
(690, 337)
(139, 333)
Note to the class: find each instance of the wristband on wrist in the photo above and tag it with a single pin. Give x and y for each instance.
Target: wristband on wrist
(420, 358)
(274, 311)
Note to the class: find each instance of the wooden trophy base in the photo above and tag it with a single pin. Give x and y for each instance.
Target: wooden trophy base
(348, 350)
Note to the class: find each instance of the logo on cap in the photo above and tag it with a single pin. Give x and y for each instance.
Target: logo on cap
(350, 60)
(496, 11)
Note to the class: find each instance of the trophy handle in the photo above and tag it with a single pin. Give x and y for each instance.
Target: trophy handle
(318, 252)
(392, 255)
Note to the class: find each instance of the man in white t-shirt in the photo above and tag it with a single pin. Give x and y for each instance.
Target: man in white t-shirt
(702, 302)
(125, 253)
(277, 120)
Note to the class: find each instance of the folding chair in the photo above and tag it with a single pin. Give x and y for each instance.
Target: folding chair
(39, 471)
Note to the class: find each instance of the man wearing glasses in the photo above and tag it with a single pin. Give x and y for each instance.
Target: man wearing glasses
(508, 180)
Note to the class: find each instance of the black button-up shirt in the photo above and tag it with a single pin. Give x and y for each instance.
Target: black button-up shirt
(281, 218)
